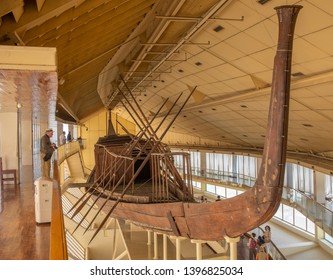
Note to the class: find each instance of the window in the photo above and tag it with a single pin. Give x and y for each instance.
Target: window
(302, 179)
(278, 213)
(288, 214)
(195, 162)
(310, 226)
(210, 188)
(328, 237)
(221, 191)
(196, 185)
(300, 220)
(223, 163)
(329, 187)
(231, 193)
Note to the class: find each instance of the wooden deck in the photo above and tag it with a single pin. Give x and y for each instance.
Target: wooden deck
(20, 237)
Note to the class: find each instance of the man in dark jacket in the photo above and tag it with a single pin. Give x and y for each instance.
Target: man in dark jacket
(46, 151)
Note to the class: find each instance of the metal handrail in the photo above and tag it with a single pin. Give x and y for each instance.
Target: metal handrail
(275, 253)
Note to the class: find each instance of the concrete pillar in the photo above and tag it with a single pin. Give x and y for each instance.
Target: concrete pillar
(233, 246)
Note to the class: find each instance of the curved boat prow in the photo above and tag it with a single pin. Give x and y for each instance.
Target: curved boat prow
(235, 216)
(270, 179)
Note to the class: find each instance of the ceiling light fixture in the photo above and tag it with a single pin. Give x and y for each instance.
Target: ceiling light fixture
(262, 2)
(297, 74)
(218, 28)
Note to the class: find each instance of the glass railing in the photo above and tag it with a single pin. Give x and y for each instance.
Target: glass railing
(68, 149)
(223, 176)
(314, 211)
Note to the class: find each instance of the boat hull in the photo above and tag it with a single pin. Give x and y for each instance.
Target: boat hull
(202, 221)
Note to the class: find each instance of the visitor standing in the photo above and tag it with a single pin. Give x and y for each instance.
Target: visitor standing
(46, 150)
(252, 244)
(69, 137)
(262, 255)
(62, 138)
(268, 239)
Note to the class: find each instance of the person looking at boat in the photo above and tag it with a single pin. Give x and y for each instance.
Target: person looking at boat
(262, 255)
(46, 150)
(268, 238)
(69, 137)
(62, 138)
(252, 244)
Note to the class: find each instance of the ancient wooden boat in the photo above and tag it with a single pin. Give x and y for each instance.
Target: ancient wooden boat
(135, 178)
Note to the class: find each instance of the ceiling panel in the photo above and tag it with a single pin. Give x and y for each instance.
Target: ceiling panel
(252, 45)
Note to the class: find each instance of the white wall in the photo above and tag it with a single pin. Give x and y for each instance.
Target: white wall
(8, 139)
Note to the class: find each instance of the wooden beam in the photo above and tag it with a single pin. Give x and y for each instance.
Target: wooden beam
(8, 6)
(17, 13)
(73, 30)
(40, 4)
(58, 245)
(73, 18)
(32, 17)
(173, 224)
